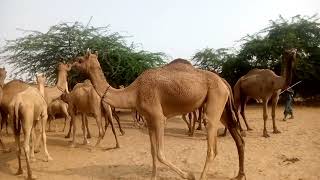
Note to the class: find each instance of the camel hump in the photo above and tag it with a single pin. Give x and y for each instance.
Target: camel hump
(179, 60)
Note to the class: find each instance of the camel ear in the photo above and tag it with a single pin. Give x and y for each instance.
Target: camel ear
(96, 53)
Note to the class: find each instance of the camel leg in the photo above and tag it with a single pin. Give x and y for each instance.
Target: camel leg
(213, 111)
(240, 147)
(4, 149)
(70, 127)
(115, 115)
(200, 119)
(108, 118)
(184, 117)
(244, 100)
(275, 99)
(84, 131)
(194, 122)
(152, 137)
(33, 142)
(50, 120)
(16, 132)
(74, 128)
(44, 136)
(158, 126)
(27, 127)
(265, 117)
(87, 127)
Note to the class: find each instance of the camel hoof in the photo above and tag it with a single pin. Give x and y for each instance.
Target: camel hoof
(191, 176)
(85, 142)
(243, 134)
(122, 133)
(266, 135)
(49, 158)
(89, 136)
(19, 172)
(32, 177)
(249, 129)
(67, 136)
(276, 131)
(117, 146)
(36, 150)
(239, 177)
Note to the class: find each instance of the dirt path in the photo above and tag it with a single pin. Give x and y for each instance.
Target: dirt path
(293, 154)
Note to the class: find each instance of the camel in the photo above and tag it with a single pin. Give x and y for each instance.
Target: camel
(85, 100)
(174, 89)
(264, 84)
(13, 87)
(58, 107)
(3, 75)
(26, 110)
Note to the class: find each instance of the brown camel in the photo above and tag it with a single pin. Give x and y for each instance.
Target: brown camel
(264, 84)
(58, 107)
(160, 93)
(51, 93)
(27, 109)
(3, 75)
(83, 99)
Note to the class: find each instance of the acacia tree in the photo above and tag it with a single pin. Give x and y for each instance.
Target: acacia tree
(41, 52)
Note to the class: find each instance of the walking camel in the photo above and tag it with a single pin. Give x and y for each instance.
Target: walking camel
(26, 110)
(264, 84)
(174, 89)
(83, 99)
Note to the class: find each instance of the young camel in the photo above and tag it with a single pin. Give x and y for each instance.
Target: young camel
(58, 107)
(84, 99)
(264, 84)
(13, 87)
(27, 109)
(3, 75)
(160, 93)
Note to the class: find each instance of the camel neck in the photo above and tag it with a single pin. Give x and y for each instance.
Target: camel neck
(41, 88)
(120, 98)
(62, 80)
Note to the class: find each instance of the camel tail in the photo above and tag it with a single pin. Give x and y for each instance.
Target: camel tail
(233, 118)
(237, 96)
(15, 118)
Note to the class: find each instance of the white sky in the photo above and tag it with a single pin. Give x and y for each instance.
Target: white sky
(176, 27)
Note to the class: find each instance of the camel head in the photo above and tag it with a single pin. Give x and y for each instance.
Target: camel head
(3, 75)
(87, 62)
(41, 79)
(64, 67)
(289, 58)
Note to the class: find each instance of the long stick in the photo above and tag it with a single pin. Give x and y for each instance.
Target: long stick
(290, 87)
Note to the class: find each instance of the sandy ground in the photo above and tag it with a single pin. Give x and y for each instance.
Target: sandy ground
(293, 154)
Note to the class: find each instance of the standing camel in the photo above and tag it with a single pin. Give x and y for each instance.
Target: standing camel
(160, 93)
(264, 84)
(3, 75)
(13, 87)
(58, 107)
(26, 110)
(83, 99)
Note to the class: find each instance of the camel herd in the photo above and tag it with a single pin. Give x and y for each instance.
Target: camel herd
(177, 88)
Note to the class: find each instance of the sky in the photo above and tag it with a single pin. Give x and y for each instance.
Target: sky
(178, 28)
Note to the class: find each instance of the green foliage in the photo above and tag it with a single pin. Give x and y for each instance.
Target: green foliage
(264, 50)
(41, 52)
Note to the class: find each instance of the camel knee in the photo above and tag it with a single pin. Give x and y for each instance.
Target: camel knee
(265, 117)
(161, 157)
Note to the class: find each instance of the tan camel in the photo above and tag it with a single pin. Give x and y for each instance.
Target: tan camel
(27, 109)
(51, 93)
(58, 107)
(160, 93)
(264, 84)
(84, 99)
(3, 75)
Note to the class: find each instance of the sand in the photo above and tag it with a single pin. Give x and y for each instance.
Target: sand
(293, 154)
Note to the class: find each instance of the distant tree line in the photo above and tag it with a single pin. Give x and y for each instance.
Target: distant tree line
(264, 50)
(122, 63)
